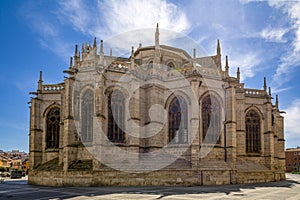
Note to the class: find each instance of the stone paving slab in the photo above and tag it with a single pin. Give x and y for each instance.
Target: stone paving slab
(19, 189)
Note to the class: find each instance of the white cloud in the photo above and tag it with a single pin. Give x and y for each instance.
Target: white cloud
(106, 20)
(291, 58)
(112, 17)
(247, 1)
(77, 14)
(292, 118)
(273, 35)
(246, 62)
(278, 90)
(127, 15)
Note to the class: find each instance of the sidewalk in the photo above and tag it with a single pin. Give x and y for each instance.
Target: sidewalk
(289, 189)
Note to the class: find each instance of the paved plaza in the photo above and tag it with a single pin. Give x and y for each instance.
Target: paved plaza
(19, 189)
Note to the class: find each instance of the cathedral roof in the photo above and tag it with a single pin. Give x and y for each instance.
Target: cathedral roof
(165, 48)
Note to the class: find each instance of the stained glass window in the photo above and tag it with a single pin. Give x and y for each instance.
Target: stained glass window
(252, 132)
(116, 106)
(178, 121)
(87, 112)
(52, 135)
(211, 120)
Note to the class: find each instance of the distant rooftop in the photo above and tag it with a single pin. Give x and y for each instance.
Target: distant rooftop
(293, 149)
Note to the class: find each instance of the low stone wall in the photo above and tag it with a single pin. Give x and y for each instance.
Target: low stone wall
(259, 177)
(155, 178)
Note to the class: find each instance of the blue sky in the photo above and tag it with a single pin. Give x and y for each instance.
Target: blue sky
(262, 38)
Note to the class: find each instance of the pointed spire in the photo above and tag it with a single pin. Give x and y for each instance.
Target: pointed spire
(276, 102)
(238, 73)
(140, 44)
(132, 51)
(157, 53)
(265, 84)
(95, 43)
(227, 66)
(110, 52)
(218, 48)
(132, 58)
(101, 53)
(194, 53)
(40, 82)
(270, 93)
(71, 62)
(101, 47)
(76, 56)
(157, 36)
(82, 48)
(76, 50)
(41, 76)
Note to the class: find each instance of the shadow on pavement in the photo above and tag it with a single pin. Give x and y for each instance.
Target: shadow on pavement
(45, 192)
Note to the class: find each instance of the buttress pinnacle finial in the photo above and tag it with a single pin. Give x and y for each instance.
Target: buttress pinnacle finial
(218, 48)
(132, 51)
(276, 102)
(71, 62)
(238, 73)
(101, 46)
(76, 50)
(227, 66)
(265, 84)
(157, 36)
(40, 82)
(95, 42)
(41, 76)
(82, 48)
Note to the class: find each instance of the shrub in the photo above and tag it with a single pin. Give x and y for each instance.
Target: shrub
(295, 172)
(2, 169)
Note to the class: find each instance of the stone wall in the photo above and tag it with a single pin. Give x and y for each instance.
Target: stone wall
(155, 178)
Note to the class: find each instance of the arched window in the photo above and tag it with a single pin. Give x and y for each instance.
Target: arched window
(252, 132)
(211, 120)
(171, 65)
(178, 121)
(52, 134)
(150, 65)
(116, 106)
(87, 112)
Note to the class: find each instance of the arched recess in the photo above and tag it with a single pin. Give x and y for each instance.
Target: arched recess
(87, 113)
(150, 64)
(171, 64)
(178, 120)
(116, 116)
(253, 107)
(52, 127)
(253, 131)
(211, 120)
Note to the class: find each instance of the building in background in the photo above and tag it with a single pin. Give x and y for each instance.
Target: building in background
(292, 159)
(245, 141)
(13, 159)
(5, 162)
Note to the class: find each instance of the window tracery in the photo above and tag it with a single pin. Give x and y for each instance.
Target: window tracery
(252, 132)
(211, 120)
(178, 121)
(87, 112)
(116, 106)
(52, 123)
